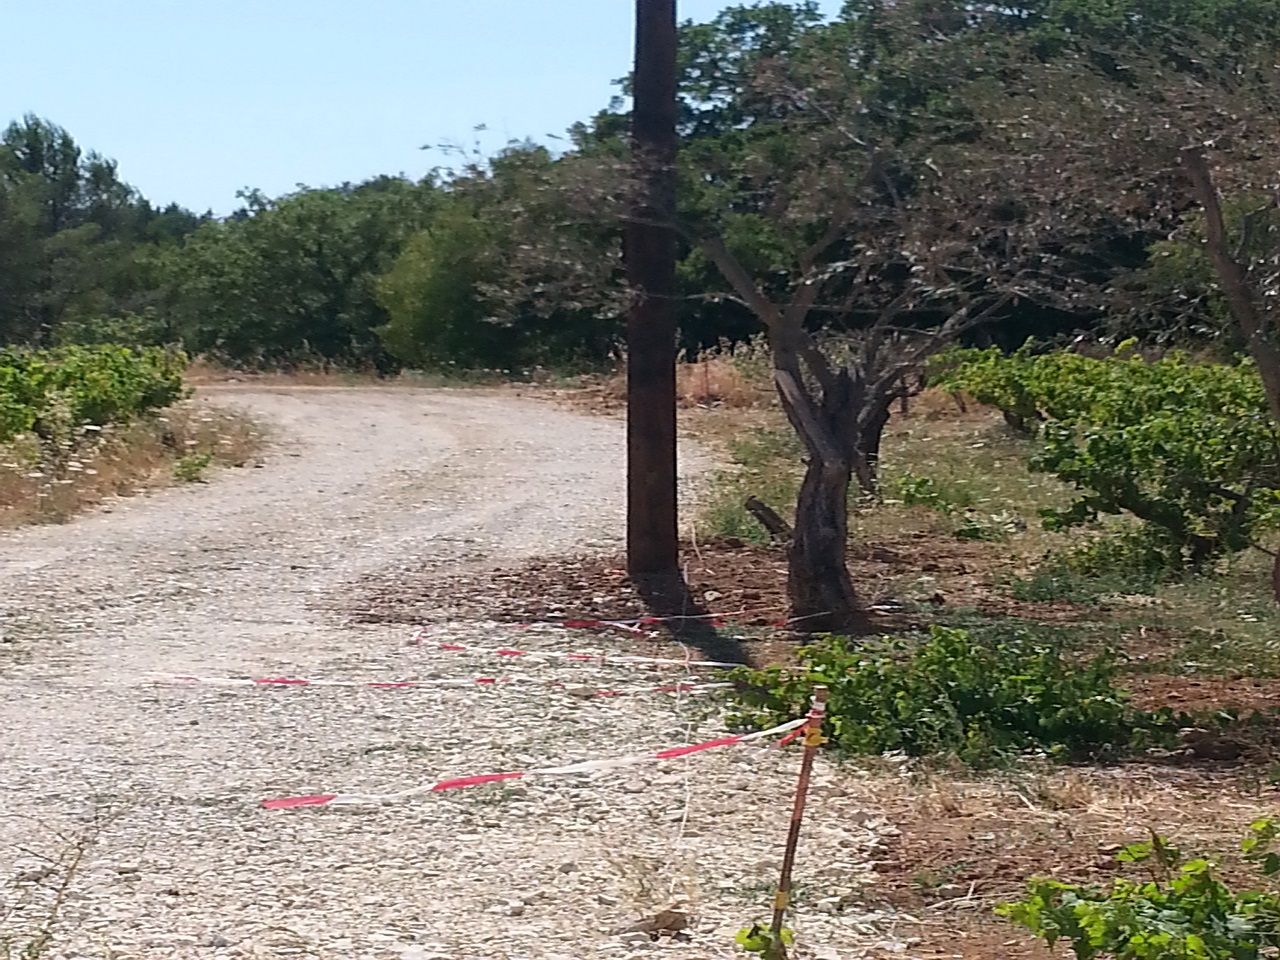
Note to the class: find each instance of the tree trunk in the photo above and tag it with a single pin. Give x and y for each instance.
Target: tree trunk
(1241, 294)
(819, 585)
(866, 459)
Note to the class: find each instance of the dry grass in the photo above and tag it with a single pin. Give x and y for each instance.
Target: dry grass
(203, 371)
(734, 378)
(720, 381)
(710, 382)
(121, 461)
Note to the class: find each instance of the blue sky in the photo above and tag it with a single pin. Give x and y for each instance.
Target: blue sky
(196, 100)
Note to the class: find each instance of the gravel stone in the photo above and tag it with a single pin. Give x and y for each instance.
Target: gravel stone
(238, 578)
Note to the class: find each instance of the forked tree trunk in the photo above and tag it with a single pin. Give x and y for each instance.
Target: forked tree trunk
(818, 583)
(866, 457)
(823, 413)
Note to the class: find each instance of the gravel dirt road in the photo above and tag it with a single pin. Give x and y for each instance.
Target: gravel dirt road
(235, 578)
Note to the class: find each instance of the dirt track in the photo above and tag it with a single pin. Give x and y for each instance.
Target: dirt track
(233, 579)
(361, 480)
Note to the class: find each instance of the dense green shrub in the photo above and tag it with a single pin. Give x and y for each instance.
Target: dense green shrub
(292, 280)
(979, 697)
(146, 329)
(1183, 912)
(49, 391)
(1188, 448)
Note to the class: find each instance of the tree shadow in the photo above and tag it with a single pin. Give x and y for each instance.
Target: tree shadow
(685, 618)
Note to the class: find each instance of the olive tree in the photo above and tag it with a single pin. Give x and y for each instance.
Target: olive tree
(862, 252)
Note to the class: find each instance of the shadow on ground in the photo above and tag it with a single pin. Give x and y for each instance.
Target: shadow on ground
(685, 618)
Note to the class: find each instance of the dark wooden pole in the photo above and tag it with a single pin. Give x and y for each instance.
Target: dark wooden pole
(651, 327)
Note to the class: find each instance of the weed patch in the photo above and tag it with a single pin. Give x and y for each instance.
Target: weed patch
(767, 466)
(979, 697)
(181, 445)
(191, 467)
(1183, 910)
(1059, 580)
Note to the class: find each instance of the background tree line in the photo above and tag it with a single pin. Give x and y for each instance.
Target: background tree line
(866, 189)
(515, 260)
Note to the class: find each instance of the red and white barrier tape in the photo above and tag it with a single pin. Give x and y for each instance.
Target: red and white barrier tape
(687, 688)
(634, 625)
(586, 766)
(637, 624)
(574, 657)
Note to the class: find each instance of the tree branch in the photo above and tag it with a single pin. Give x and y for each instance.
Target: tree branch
(799, 408)
(1233, 277)
(778, 528)
(959, 322)
(741, 281)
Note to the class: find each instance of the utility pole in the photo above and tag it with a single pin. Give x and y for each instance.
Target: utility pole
(650, 245)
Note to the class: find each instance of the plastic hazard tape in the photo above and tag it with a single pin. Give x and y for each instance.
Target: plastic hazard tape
(571, 769)
(689, 687)
(419, 638)
(637, 625)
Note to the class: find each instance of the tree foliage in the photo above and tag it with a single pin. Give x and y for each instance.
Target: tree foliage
(76, 242)
(511, 271)
(295, 278)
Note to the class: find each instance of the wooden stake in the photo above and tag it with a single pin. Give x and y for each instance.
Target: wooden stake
(813, 739)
